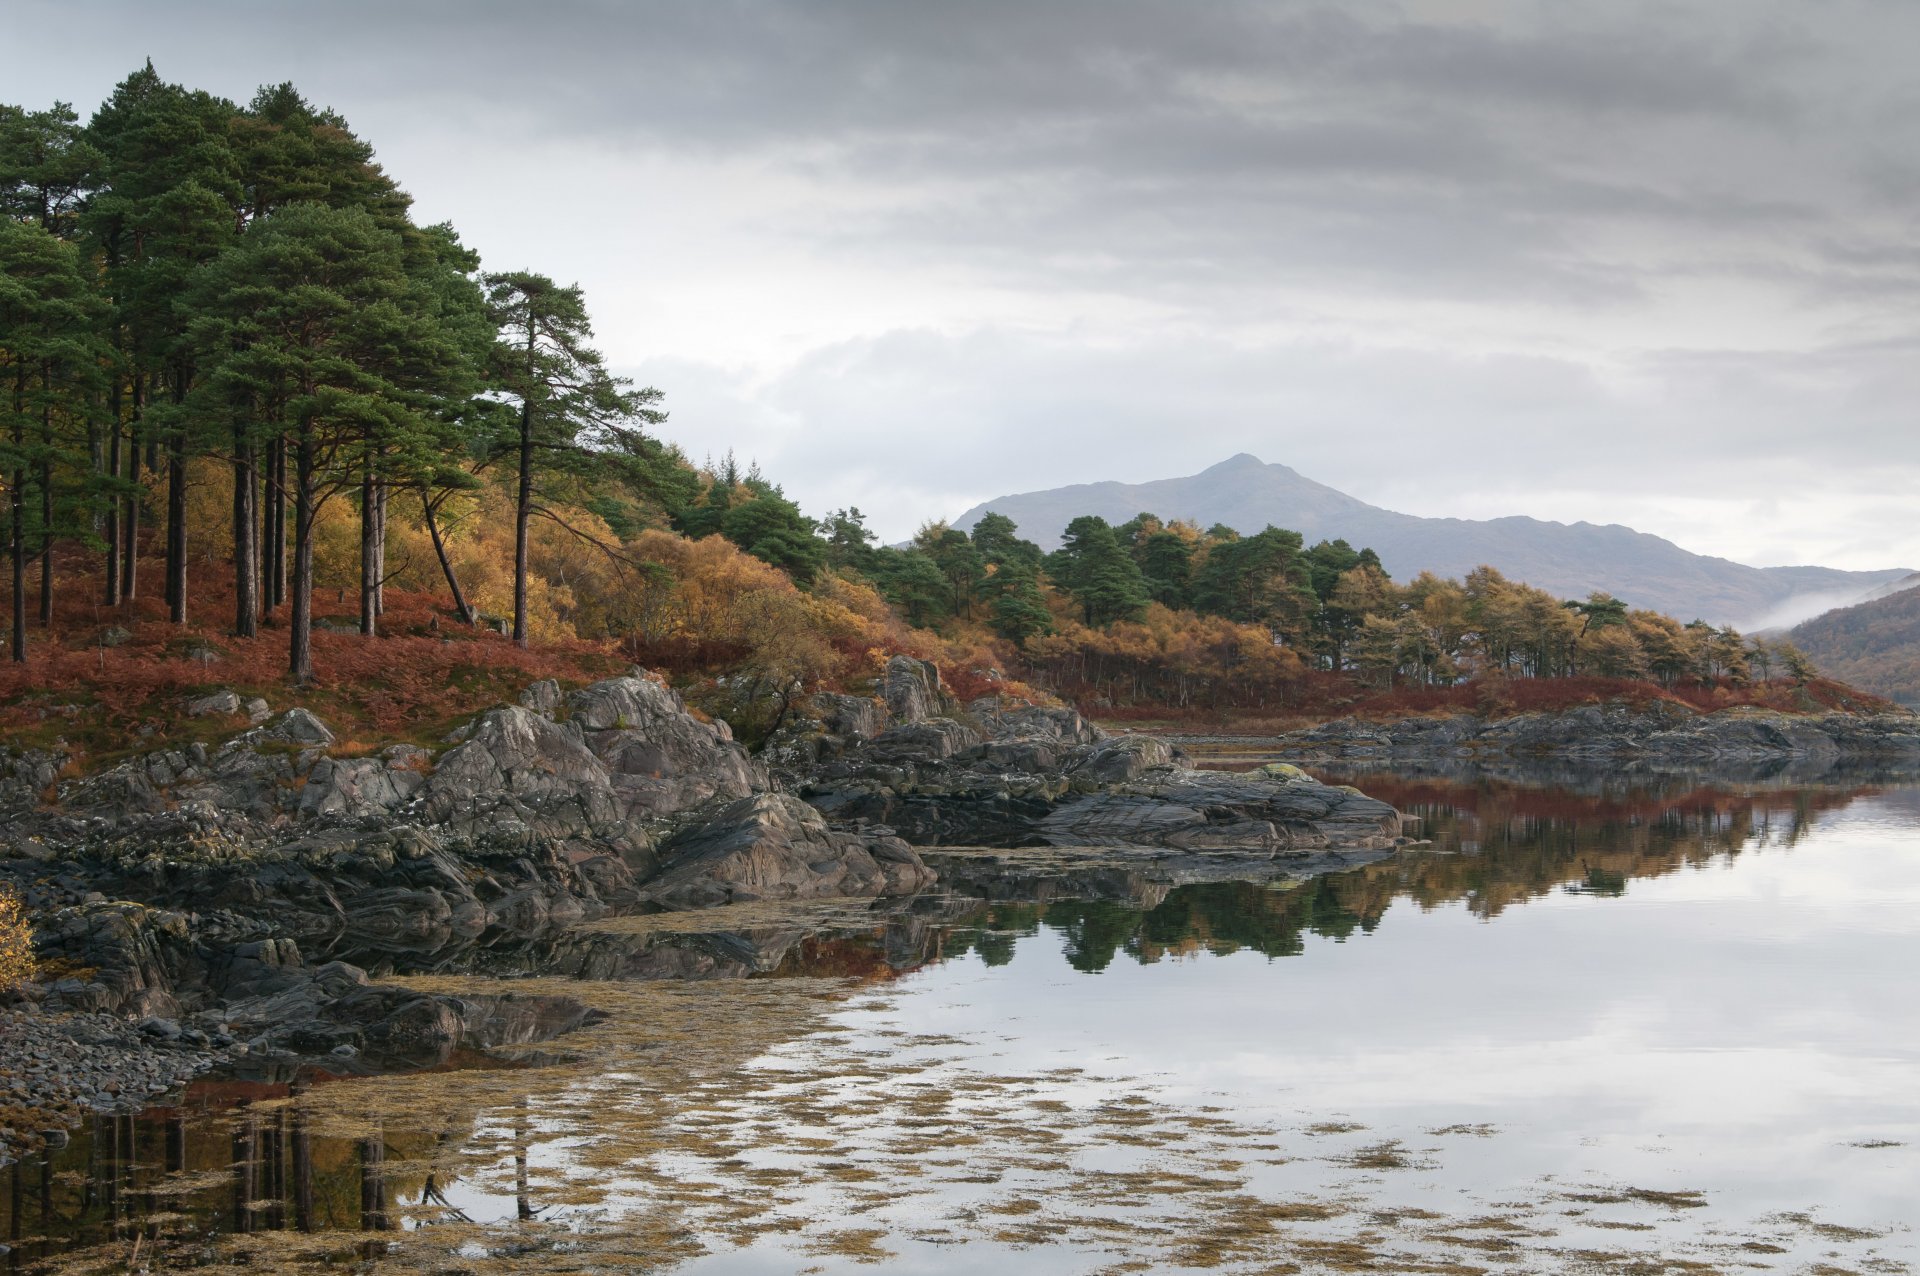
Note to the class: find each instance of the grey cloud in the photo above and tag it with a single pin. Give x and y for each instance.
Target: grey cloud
(1451, 170)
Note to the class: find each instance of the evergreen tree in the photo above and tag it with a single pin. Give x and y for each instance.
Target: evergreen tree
(849, 543)
(1019, 609)
(772, 529)
(568, 402)
(166, 196)
(313, 318)
(911, 582)
(1166, 560)
(997, 539)
(1098, 572)
(49, 360)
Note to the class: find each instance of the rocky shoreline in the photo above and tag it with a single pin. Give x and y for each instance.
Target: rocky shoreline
(1659, 732)
(234, 905)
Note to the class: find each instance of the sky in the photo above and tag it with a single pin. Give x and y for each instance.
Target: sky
(1642, 263)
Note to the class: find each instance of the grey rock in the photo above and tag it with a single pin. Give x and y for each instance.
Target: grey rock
(776, 847)
(365, 786)
(861, 717)
(257, 710)
(660, 759)
(1123, 759)
(913, 691)
(542, 697)
(219, 702)
(515, 753)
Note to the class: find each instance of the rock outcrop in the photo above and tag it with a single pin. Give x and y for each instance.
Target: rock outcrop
(777, 847)
(1030, 777)
(250, 883)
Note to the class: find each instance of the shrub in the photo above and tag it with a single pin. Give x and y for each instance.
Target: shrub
(16, 940)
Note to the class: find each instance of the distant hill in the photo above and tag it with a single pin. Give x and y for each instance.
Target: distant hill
(1873, 645)
(1571, 560)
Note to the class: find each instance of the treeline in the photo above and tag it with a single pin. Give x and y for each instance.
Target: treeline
(193, 284)
(1165, 612)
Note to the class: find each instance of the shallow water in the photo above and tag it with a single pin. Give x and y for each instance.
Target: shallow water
(1607, 1023)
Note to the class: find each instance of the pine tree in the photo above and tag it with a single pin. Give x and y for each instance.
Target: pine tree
(49, 361)
(313, 317)
(569, 404)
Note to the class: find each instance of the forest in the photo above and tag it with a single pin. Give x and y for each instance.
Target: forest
(259, 424)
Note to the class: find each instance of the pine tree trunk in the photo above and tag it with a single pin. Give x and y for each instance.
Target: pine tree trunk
(46, 507)
(17, 522)
(369, 560)
(277, 524)
(130, 525)
(177, 513)
(300, 639)
(522, 512)
(380, 548)
(246, 549)
(460, 606)
(110, 533)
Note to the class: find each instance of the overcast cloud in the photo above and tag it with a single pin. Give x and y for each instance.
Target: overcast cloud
(1646, 263)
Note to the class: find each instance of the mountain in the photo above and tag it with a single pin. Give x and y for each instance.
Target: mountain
(1889, 589)
(1874, 645)
(1572, 560)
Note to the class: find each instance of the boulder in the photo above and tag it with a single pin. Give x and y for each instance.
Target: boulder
(365, 786)
(777, 847)
(514, 754)
(912, 690)
(1033, 722)
(220, 702)
(850, 717)
(1119, 760)
(1222, 811)
(659, 758)
(542, 697)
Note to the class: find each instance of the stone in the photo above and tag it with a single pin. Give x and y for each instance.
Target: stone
(542, 697)
(1117, 761)
(912, 690)
(257, 710)
(772, 846)
(515, 753)
(365, 786)
(295, 726)
(219, 702)
(861, 717)
(115, 636)
(660, 759)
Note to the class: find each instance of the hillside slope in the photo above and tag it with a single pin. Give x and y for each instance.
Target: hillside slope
(1570, 560)
(1874, 645)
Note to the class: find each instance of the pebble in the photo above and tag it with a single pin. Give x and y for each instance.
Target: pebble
(56, 1068)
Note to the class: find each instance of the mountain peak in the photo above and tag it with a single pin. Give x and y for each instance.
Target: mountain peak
(1238, 461)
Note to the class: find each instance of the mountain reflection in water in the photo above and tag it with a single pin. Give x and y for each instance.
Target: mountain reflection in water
(978, 988)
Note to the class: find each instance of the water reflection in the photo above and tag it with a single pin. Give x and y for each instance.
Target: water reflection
(1456, 1036)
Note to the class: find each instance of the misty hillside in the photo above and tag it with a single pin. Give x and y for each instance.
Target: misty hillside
(1571, 560)
(1874, 645)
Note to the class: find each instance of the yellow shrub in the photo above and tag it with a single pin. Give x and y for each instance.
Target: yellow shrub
(16, 940)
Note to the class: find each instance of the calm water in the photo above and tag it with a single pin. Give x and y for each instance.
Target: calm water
(1601, 1024)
